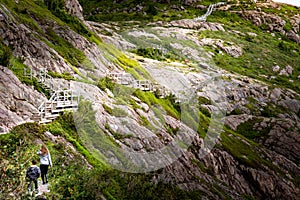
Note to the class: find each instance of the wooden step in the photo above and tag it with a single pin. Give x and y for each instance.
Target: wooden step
(62, 106)
(45, 121)
(51, 116)
(36, 118)
(61, 110)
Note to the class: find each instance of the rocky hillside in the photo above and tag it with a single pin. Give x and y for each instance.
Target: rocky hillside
(171, 106)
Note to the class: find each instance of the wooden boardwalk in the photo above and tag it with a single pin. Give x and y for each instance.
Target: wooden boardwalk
(211, 8)
(67, 99)
(144, 85)
(60, 100)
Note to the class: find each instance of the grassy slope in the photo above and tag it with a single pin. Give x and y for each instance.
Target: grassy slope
(260, 53)
(72, 178)
(69, 177)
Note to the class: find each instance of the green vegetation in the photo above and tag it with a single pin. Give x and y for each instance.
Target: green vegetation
(64, 48)
(65, 126)
(18, 69)
(5, 54)
(57, 9)
(203, 100)
(119, 112)
(70, 178)
(271, 110)
(35, 14)
(260, 53)
(65, 75)
(78, 182)
(157, 54)
(84, 173)
(149, 53)
(106, 82)
(247, 129)
(17, 150)
(243, 150)
(169, 105)
(129, 65)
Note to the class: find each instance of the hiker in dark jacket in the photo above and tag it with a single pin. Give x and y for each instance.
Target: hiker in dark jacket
(45, 162)
(33, 173)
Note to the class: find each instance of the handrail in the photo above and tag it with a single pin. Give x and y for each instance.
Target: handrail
(68, 97)
(210, 9)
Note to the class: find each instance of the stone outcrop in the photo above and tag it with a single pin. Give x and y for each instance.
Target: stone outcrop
(17, 101)
(274, 23)
(191, 24)
(232, 50)
(74, 8)
(224, 172)
(28, 47)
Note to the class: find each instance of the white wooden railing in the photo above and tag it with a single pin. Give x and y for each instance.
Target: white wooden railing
(211, 8)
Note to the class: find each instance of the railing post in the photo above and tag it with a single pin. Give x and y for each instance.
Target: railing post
(64, 97)
(30, 73)
(45, 74)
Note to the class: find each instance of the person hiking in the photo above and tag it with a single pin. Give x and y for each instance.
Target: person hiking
(33, 173)
(45, 162)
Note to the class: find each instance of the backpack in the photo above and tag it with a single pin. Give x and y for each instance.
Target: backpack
(33, 173)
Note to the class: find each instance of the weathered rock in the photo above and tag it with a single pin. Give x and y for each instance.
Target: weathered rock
(194, 24)
(289, 69)
(18, 101)
(274, 22)
(293, 36)
(232, 50)
(276, 68)
(234, 121)
(74, 8)
(275, 94)
(291, 104)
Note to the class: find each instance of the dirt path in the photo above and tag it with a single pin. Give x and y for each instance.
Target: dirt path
(42, 188)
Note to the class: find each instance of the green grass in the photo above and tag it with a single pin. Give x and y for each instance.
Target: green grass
(5, 54)
(65, 75)
(169, 106)
(17, 149)
(17, 67)
(246, 129)
(65, 126)
(260, 53)
(151, 11)
(64, 48)
(129, 65)
(245, 153)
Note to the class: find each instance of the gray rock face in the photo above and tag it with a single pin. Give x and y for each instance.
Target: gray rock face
(142, 130)
(74, 8)
(274, 23)
(232, 50)
(35, 53)
(234, 121)
(17, 101)
(283, 141)
(191, 24)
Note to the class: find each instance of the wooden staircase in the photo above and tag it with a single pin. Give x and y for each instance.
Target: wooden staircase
(144, 85)
(211, 8)
(60, 101)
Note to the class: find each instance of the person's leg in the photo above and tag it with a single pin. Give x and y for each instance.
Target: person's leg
(36, 186)
(30, 185)
(43, 172)
(46, 173)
